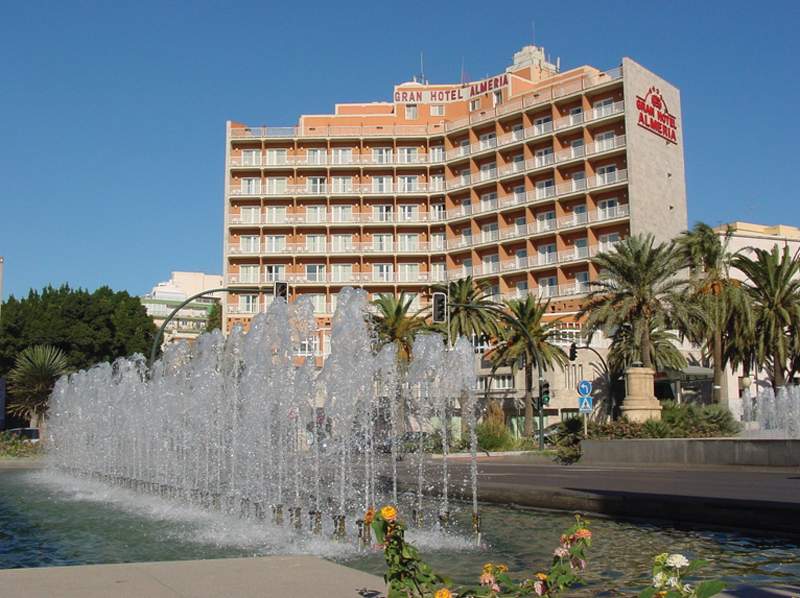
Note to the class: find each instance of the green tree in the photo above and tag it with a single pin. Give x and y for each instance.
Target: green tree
(721, 298)
(31, 380)
(88, 327)
(641, 286)
(625, 349)
(773, 286)
(394, 323)
(473, 313)
(526, 341)
(214, 321)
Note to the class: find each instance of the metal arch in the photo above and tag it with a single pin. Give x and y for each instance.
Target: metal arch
(163, 327)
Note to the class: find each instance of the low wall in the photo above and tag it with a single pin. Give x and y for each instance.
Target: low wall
(694, 451)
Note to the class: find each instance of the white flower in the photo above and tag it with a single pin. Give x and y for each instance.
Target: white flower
(677, 561)
(687, 589)
(659, 579)
(674, 582)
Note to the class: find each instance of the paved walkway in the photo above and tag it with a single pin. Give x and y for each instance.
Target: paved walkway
(263, 577)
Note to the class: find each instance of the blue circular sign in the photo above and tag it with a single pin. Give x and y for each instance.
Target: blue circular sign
(584, 388)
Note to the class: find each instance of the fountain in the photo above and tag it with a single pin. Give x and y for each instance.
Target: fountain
(772, 415)
(248, 425)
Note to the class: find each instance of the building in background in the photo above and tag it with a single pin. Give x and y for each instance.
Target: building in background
(517, 180)
(743, 236)
(190, 321)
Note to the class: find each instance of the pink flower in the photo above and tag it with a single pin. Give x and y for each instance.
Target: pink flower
(538, 587)
(487, 579)
(495, 587)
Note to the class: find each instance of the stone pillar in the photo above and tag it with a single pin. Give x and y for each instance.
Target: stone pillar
(640, 404)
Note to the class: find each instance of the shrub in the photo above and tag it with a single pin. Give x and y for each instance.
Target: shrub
(14, 446)
(492, 432)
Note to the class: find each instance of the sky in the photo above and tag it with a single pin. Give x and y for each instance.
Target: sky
(112, 114)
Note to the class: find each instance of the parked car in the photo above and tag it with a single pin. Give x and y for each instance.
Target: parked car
(27, 434)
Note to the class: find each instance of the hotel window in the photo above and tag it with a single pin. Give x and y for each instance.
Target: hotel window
(408, 213)
(466, 266)
(582, 282)
(542, 125)
(250, 215)
(578, 180)
(437, 272)
(437, 182)
(248, 304)
(382, 272)
(519, 193)
(607, 208)
(575, 115)
(604, 141)
(581, 248)
(576, 148)
(521, 288)
(517, 132)
(315, 243)
(407, 155)
(604, 107)
(341, 272)
(544, 157)
(382, 213)
(342, 184)
(546, 221)
(276, 214)
(315, 214)
(498, 382)
(488, 171)
(520, 227)
(250, 186)
(407, 182)
(463, 147)
(382, 242)
(341, 242)
(248, 273)
(608, 241)
(437, 241)
(488, 201)
(438, 211)
(318, 301)
(316, 155)
(579, 214)
(490, 263)
(381, 184)
(315, 272)
(315, 184)
(437, 109)
(382, 155)
(545, 189)
(276, 184)
(342, 155)
(408, 241)
(518, 163)
(249, 243)
(488, 140)
(497, 98)
(474, 104)
(408, 272)
(252, 157)
(606, 175)
(274, 273)
(548, 286)
(309, 346)
(489, 232)
(275, 243)
(436, 153)
(342, 213)
(411, 112)
(276, 156)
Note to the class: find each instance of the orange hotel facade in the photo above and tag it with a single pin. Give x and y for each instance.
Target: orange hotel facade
(517, 179)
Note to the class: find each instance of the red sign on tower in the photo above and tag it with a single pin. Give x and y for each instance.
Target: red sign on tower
(655, 117)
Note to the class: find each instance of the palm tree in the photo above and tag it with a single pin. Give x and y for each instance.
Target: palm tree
(31, 380)
(526, 341)
(625, 349)
(640, 286)
(394, 323)
(473, 313)
(773, 286)
(718, 295)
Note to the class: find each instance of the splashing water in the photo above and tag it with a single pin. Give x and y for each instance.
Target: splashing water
(246, 425)
(775, 414)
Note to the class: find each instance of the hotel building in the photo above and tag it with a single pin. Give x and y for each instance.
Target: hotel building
(517, 179)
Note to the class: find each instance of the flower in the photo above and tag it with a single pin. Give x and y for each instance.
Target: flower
(443, 593)
(561, 552)
(541, 576)
(389, 513)
(487, 568)
(495, 587)
(369, 516)
(582, 533)
(502, 568)
(487, 579)
(538, 587)
(677, 561)
(659, 579)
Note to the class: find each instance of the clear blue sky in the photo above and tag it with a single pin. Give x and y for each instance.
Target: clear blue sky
(112, 114)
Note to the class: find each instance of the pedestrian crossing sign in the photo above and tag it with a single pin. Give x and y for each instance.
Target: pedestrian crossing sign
(585, 404)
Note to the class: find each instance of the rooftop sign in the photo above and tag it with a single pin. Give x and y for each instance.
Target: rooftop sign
(655, 117)
(445, 94)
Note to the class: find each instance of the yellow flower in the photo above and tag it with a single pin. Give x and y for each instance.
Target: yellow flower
(443, 593)
(389, 513)
(502, 568)
(541, 576)
(487, 568)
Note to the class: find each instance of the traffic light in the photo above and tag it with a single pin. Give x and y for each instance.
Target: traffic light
(281, 289)
(573, 352)
(544, 393)
(439, 308)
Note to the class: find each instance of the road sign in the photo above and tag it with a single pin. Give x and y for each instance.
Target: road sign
(585, 404)
(584, 388)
